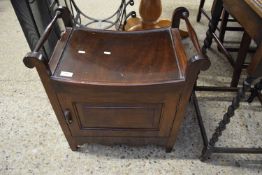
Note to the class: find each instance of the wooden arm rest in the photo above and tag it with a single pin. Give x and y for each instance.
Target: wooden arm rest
(183, 13)
(47, 32)
(61, 12)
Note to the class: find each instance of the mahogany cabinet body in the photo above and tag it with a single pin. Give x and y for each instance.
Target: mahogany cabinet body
(119, 87)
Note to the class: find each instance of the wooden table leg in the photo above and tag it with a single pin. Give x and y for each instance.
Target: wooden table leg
(216, 11)
(255, 67)
(244, 46)
(201, 5)
(150, 11)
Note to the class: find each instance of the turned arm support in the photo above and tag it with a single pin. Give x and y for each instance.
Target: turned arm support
(31, 58)
(190, 67)
(200, 58)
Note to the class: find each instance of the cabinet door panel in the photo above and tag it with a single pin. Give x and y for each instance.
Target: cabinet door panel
(143, 116)
(104, 116)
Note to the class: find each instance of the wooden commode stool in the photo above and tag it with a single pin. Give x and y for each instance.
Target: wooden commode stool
(114, 87)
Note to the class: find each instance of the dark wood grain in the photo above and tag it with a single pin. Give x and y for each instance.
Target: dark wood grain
(150, 59)
(119, 87)
(120, 115)
(164, 95)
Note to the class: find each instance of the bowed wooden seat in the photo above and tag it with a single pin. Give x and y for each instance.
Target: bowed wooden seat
(118, 59)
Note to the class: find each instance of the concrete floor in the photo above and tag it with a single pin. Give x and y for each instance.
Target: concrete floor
(32, 142)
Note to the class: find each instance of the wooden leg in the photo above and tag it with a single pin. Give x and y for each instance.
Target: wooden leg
(224, 21)
(73, 146)
(244, 46)
(206, 153)
(215, 16)
(169, 149)
(254, 68)
(201, 5)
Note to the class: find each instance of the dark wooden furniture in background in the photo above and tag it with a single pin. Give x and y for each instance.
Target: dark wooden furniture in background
(224, 27)
(252, 28)
(224, 18)
(251, 21)
(119, 87)
(252, 24)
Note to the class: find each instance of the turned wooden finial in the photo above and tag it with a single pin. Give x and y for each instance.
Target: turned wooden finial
(150, 11)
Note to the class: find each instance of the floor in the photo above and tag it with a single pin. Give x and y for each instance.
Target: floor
(32, 142)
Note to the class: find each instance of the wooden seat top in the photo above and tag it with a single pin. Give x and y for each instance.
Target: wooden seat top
(120, 58)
